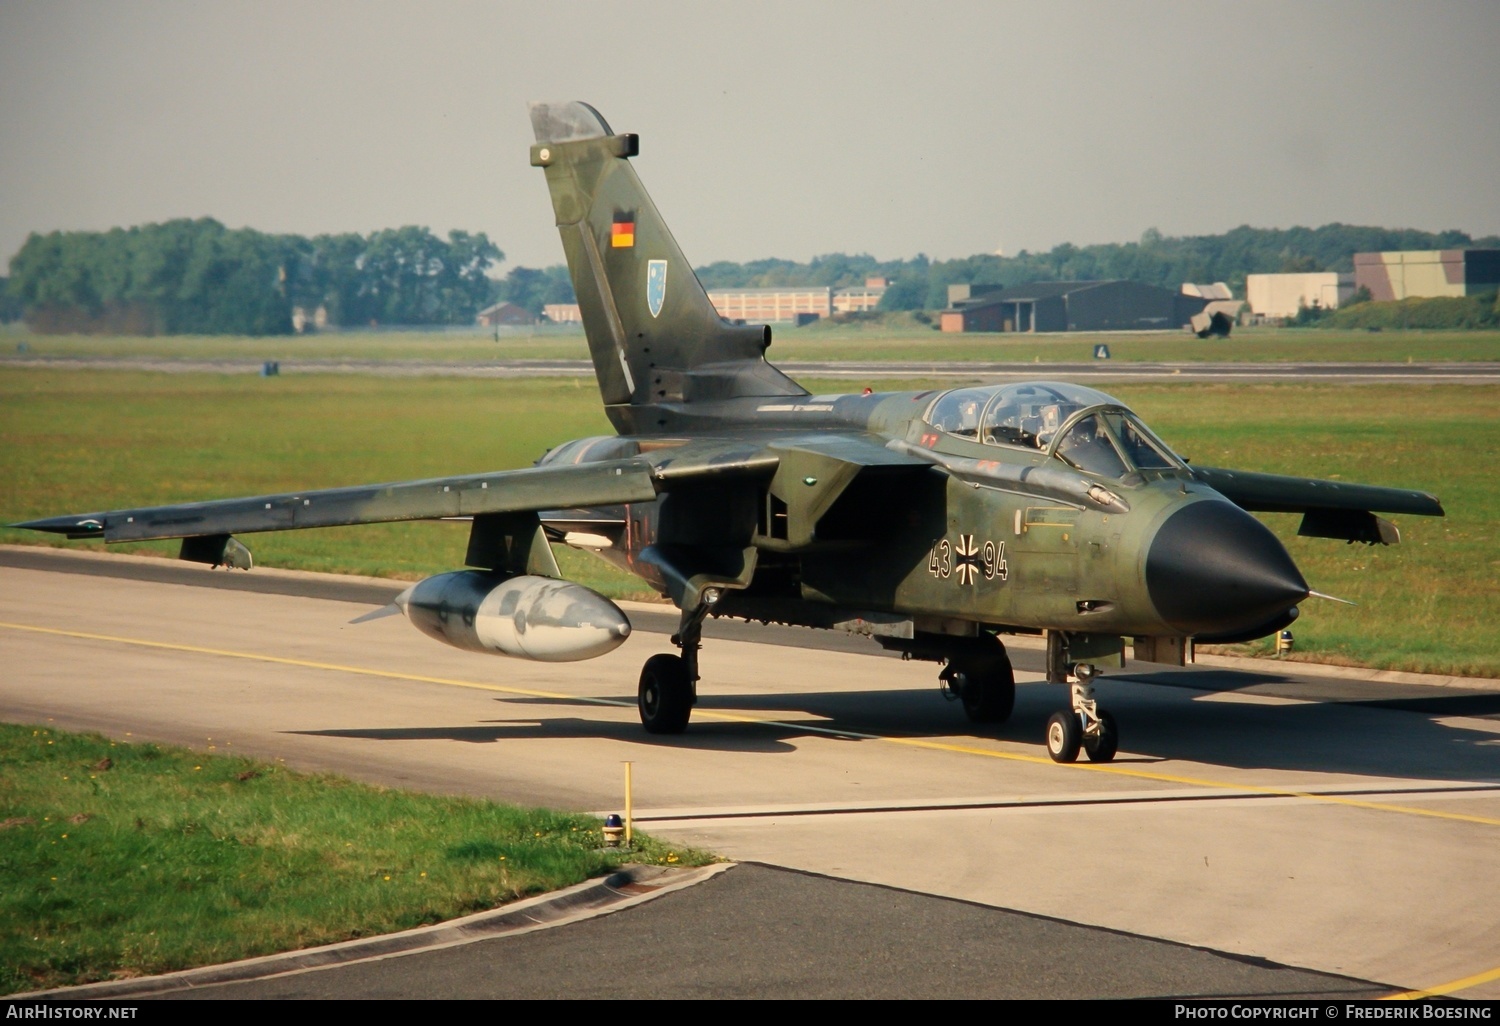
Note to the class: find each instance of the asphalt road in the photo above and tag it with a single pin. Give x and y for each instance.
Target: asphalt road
(1263, 833)
(762, 932)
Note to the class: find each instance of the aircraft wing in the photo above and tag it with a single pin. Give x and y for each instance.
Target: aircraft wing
(1331, 509)
(611, 482)
(1276, 493)
(551, 486)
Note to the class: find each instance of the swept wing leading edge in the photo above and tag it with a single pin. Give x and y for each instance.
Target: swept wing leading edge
(594, 484)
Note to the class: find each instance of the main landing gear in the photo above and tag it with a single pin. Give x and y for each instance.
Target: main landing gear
(1086, 726)
(668, 688)
(983, 680)
(666, 694)
(979, 674)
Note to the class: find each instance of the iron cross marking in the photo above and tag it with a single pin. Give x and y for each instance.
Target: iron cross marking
(967, 567)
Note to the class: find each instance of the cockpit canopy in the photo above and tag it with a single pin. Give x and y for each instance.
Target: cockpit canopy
(1088, 430)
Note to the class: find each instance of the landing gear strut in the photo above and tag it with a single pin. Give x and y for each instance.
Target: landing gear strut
(668, 687)
(1086, 726)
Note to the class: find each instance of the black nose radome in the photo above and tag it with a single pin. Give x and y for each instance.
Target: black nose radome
(1213, 568)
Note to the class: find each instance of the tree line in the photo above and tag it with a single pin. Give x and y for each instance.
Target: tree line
(199, 277)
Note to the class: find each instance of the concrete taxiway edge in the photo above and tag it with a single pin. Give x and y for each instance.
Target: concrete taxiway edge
(625, 888)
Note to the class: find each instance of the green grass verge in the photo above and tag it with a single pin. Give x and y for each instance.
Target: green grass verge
(120, 860)
(903, 341)
(74, 441)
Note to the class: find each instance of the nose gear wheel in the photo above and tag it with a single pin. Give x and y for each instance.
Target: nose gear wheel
(1084, 727)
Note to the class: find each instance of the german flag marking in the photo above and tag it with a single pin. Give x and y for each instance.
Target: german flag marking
(622, 234)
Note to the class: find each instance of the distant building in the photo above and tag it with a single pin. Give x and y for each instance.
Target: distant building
(761, 306)
(1274, 296)
(958, 295)
(796, 303)
(1432, 272)
(856, 299)
(1069, 306)
(563, 313)
(503, 313)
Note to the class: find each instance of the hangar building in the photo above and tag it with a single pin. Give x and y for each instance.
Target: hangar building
(796, 303)
(1430, 272)
(1069, 306)
(503, 313)
(1282, 295)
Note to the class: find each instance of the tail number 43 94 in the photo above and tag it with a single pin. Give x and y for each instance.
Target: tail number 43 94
(967, 561)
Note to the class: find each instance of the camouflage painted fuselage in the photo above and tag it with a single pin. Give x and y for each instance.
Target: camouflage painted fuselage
(830, 510)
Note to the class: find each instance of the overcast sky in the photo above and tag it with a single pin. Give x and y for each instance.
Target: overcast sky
(784, 129)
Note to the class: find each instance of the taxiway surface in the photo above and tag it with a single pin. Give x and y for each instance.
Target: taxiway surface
(1344, 827)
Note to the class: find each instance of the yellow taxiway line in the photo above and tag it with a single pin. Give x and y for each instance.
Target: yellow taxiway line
(911, 742)
(1443, 989)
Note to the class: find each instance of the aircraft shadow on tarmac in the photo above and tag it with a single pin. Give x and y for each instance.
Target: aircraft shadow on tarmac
(1395, 737)
(724, 736)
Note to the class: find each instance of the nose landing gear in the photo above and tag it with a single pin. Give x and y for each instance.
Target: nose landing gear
(1086, 726)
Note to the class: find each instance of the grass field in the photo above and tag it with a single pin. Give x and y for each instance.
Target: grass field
(818, 342)
(121, 860)
(75, 441)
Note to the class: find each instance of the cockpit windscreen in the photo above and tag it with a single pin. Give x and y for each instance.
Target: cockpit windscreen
(1111, 441)
(1027, 414)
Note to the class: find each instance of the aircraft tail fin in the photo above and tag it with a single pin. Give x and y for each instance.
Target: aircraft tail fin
(653, 334)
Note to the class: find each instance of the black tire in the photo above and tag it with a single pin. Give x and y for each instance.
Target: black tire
(665, 695)
(1102, 747)
(1064, 735)
(987, 688)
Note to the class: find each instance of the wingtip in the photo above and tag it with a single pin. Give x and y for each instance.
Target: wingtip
(73, 525)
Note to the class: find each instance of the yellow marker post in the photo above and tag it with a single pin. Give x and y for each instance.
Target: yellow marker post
(629, 831)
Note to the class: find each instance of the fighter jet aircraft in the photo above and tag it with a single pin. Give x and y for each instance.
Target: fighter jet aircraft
(935, 522)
